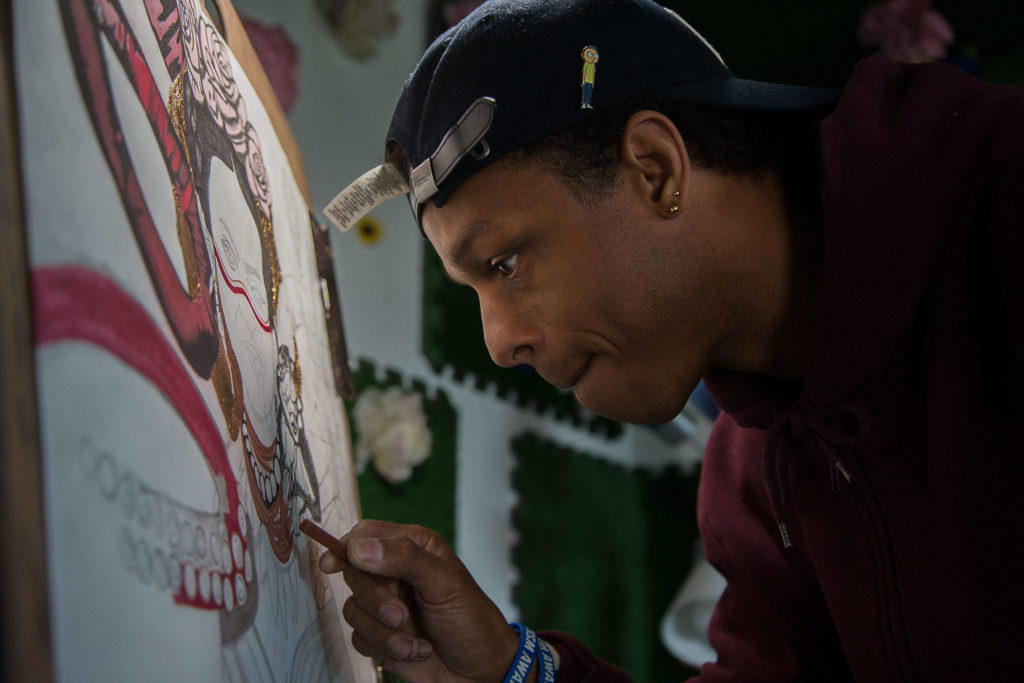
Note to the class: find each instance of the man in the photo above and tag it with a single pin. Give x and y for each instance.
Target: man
(842, 271)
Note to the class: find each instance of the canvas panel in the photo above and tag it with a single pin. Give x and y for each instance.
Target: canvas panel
(188, 412)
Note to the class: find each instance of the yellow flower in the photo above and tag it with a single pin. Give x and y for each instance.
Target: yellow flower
(369, 230)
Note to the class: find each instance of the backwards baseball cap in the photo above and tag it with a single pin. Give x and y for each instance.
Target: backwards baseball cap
(515, 71)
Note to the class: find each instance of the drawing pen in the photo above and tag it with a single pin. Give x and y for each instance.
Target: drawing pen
(322, 537)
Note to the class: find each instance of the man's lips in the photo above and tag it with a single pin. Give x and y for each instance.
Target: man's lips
(579, 373)
(557, 380)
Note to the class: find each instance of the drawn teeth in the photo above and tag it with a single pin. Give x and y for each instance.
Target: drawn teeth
(201, 546)
(214, 549)
(248, 566)
(216, 586)
(144, 560)
(159, 518)
(188, 539)
(240, 591)
(129, 494)
(146, 511)
(204, 585)
(236, 550)
(160, 577)
(225, 555)
(190, 581)
(241, 520)
(126, 549)
(229, 596)
(174, 532)
(106, 476)
(277, 470)
(272, 486)
(174, 575)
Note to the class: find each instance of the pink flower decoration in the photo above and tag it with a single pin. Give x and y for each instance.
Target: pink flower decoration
(256, 172)
(190, 44)
(279, 57)
(456, 11)
(220, 90)
(906, 30)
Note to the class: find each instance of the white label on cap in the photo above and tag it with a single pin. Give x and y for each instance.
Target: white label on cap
(366, 193)
(421, 182)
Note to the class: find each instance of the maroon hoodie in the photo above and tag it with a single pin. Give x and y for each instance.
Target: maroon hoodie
(870, 520)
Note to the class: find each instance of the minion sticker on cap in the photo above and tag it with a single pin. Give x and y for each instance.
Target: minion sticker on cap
(589, 55)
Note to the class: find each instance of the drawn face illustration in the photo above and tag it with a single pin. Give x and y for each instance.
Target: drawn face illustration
(589, 54)
(179, 450)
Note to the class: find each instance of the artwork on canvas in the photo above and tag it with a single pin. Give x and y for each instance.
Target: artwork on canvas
(188, 409)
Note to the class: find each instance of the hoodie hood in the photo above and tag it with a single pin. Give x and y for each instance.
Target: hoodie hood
(894, 188)
(893, 182)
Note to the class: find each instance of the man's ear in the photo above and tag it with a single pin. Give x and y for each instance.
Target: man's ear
(655, 161)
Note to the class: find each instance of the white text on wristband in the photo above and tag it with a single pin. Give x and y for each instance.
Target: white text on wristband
(546, 664)
(525, 655)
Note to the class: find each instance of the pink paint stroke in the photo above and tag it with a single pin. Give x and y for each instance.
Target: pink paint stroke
(72, 303)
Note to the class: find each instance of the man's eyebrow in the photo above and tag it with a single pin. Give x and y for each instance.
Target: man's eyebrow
(465, 243)
(448, 275)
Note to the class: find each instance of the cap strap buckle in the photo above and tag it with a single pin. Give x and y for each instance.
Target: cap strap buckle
(460, 139)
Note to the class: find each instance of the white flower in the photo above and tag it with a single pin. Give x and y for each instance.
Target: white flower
(393, 432)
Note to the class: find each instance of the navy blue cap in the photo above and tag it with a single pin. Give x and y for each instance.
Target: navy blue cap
(515, 71)
(512, 72)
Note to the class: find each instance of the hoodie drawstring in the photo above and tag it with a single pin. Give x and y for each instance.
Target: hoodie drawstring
(843, 426)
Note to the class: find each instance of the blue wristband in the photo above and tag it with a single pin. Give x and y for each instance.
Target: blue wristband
(546, 664)
(525, 655)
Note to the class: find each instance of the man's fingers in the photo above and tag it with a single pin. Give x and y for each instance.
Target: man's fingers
(378, 597)
(427, 539)
(331, 563)
(414, 554)
(374, 639)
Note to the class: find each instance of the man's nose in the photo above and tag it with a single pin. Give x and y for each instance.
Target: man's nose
(511, 338)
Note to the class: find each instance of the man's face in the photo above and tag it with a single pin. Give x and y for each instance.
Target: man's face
(595, 296)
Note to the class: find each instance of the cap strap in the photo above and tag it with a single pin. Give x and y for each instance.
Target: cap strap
(460, 139)
(366, 193)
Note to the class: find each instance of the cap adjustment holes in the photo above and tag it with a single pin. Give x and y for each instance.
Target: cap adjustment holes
(481, 151)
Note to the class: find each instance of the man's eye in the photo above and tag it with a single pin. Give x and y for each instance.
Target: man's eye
(507, 265)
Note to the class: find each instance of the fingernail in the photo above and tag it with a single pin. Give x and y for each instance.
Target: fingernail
(425, 650)
(401, 646)
(369, 550)
(392, 616)
(331, 563)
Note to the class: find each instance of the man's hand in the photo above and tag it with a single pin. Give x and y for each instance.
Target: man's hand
(416, 609)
